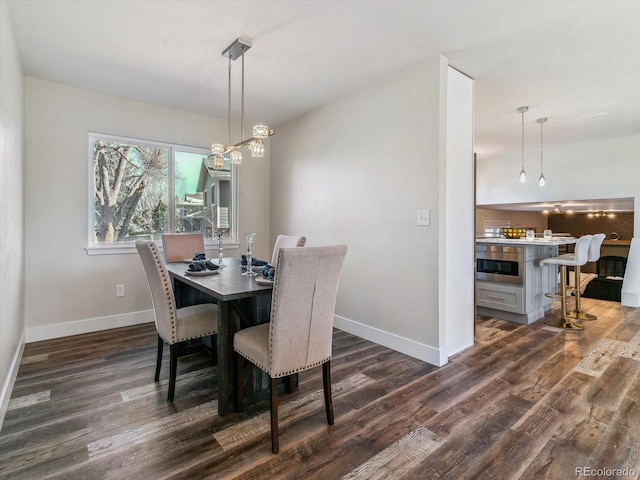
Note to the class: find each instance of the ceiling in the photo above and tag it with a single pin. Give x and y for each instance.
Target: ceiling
(576, 206)
(575, 62)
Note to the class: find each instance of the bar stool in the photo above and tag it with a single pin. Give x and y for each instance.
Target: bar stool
(578, 258)
(593, 256)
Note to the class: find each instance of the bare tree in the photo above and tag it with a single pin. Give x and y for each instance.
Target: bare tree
(123, 175)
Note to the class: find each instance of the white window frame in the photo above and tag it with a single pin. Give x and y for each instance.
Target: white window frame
(115, 248)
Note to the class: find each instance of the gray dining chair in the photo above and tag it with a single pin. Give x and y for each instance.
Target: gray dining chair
(299, 334)
(175, 326)
(286, 241)
(180, 246)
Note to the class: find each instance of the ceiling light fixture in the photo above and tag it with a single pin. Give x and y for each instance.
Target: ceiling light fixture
(557, 209)
(219, 151)
(541, 179)
(523, 174)
(600, 213)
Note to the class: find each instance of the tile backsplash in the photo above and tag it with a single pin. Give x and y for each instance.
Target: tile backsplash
(580, 224)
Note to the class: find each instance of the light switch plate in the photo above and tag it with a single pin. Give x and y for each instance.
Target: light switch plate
(424, 217)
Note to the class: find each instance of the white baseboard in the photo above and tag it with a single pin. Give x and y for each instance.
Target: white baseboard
(57, 330)
(629, 299)
(7, 388)
(461, 348)
(400, 344)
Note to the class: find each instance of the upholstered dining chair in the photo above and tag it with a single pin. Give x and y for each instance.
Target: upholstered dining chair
(299, 334)
(174, 325)
(286, 241)
(180, 246)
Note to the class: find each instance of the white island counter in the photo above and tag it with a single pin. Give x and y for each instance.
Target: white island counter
(557, 241)
(510, 282)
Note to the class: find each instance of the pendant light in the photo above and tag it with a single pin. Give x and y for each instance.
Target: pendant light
(541, 179)
(260, 132)
(523, 174)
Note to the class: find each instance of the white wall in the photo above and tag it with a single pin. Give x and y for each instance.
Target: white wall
(11, 209)
(355, 171)
(68, 291)
(457, 246)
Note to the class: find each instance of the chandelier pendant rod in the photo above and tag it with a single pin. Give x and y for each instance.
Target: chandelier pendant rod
(242, 99)
(229, 106)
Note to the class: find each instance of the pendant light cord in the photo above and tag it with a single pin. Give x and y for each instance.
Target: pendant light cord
(541, 147)
(522, 155)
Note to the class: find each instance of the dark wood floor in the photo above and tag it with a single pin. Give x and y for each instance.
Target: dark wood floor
(525, 402)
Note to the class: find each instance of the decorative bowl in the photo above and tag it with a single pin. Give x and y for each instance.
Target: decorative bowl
(513, 232)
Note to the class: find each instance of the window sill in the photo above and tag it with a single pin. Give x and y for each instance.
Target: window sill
(131, 248)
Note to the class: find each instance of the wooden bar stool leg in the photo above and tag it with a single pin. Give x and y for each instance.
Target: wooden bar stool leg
(563, 321)
(577, 312)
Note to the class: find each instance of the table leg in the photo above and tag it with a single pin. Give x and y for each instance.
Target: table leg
(228, 325)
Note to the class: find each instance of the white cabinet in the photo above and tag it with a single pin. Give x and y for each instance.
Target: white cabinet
(500, 296)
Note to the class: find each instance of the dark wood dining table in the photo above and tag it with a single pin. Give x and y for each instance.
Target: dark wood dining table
(241, 303)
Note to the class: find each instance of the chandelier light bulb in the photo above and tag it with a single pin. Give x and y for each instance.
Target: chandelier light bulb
(217, 149)
(260, 131)
(542, 180)
(257, 149)
(218, 162)
(236, 157)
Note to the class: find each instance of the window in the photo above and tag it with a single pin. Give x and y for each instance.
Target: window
(142, 189)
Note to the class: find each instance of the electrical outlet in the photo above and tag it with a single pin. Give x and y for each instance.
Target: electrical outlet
(120, 290)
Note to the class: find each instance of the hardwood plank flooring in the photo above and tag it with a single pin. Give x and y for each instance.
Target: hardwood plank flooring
(525, 402)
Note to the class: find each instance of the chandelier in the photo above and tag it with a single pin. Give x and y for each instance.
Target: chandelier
(233, 152)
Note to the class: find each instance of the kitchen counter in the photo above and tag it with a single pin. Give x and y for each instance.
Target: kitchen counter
(557, 241)
(510, 282)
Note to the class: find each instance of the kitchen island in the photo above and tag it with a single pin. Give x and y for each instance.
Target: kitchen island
(510, 282)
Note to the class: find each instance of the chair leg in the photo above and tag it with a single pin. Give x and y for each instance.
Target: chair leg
(159, 358)
(173, 366)
(577, 312)
(290, 384)
(564, 321)
(239, 381)
(326, 383)
(273, 387)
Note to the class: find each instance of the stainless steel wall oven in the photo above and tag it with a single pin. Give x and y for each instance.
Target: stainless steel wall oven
(501, 264)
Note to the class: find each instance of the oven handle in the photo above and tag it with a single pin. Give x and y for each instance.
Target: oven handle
(507, 257)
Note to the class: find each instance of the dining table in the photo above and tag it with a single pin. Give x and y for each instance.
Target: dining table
(242, 302)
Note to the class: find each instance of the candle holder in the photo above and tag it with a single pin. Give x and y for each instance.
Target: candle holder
(220, 233)
(249, 271)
